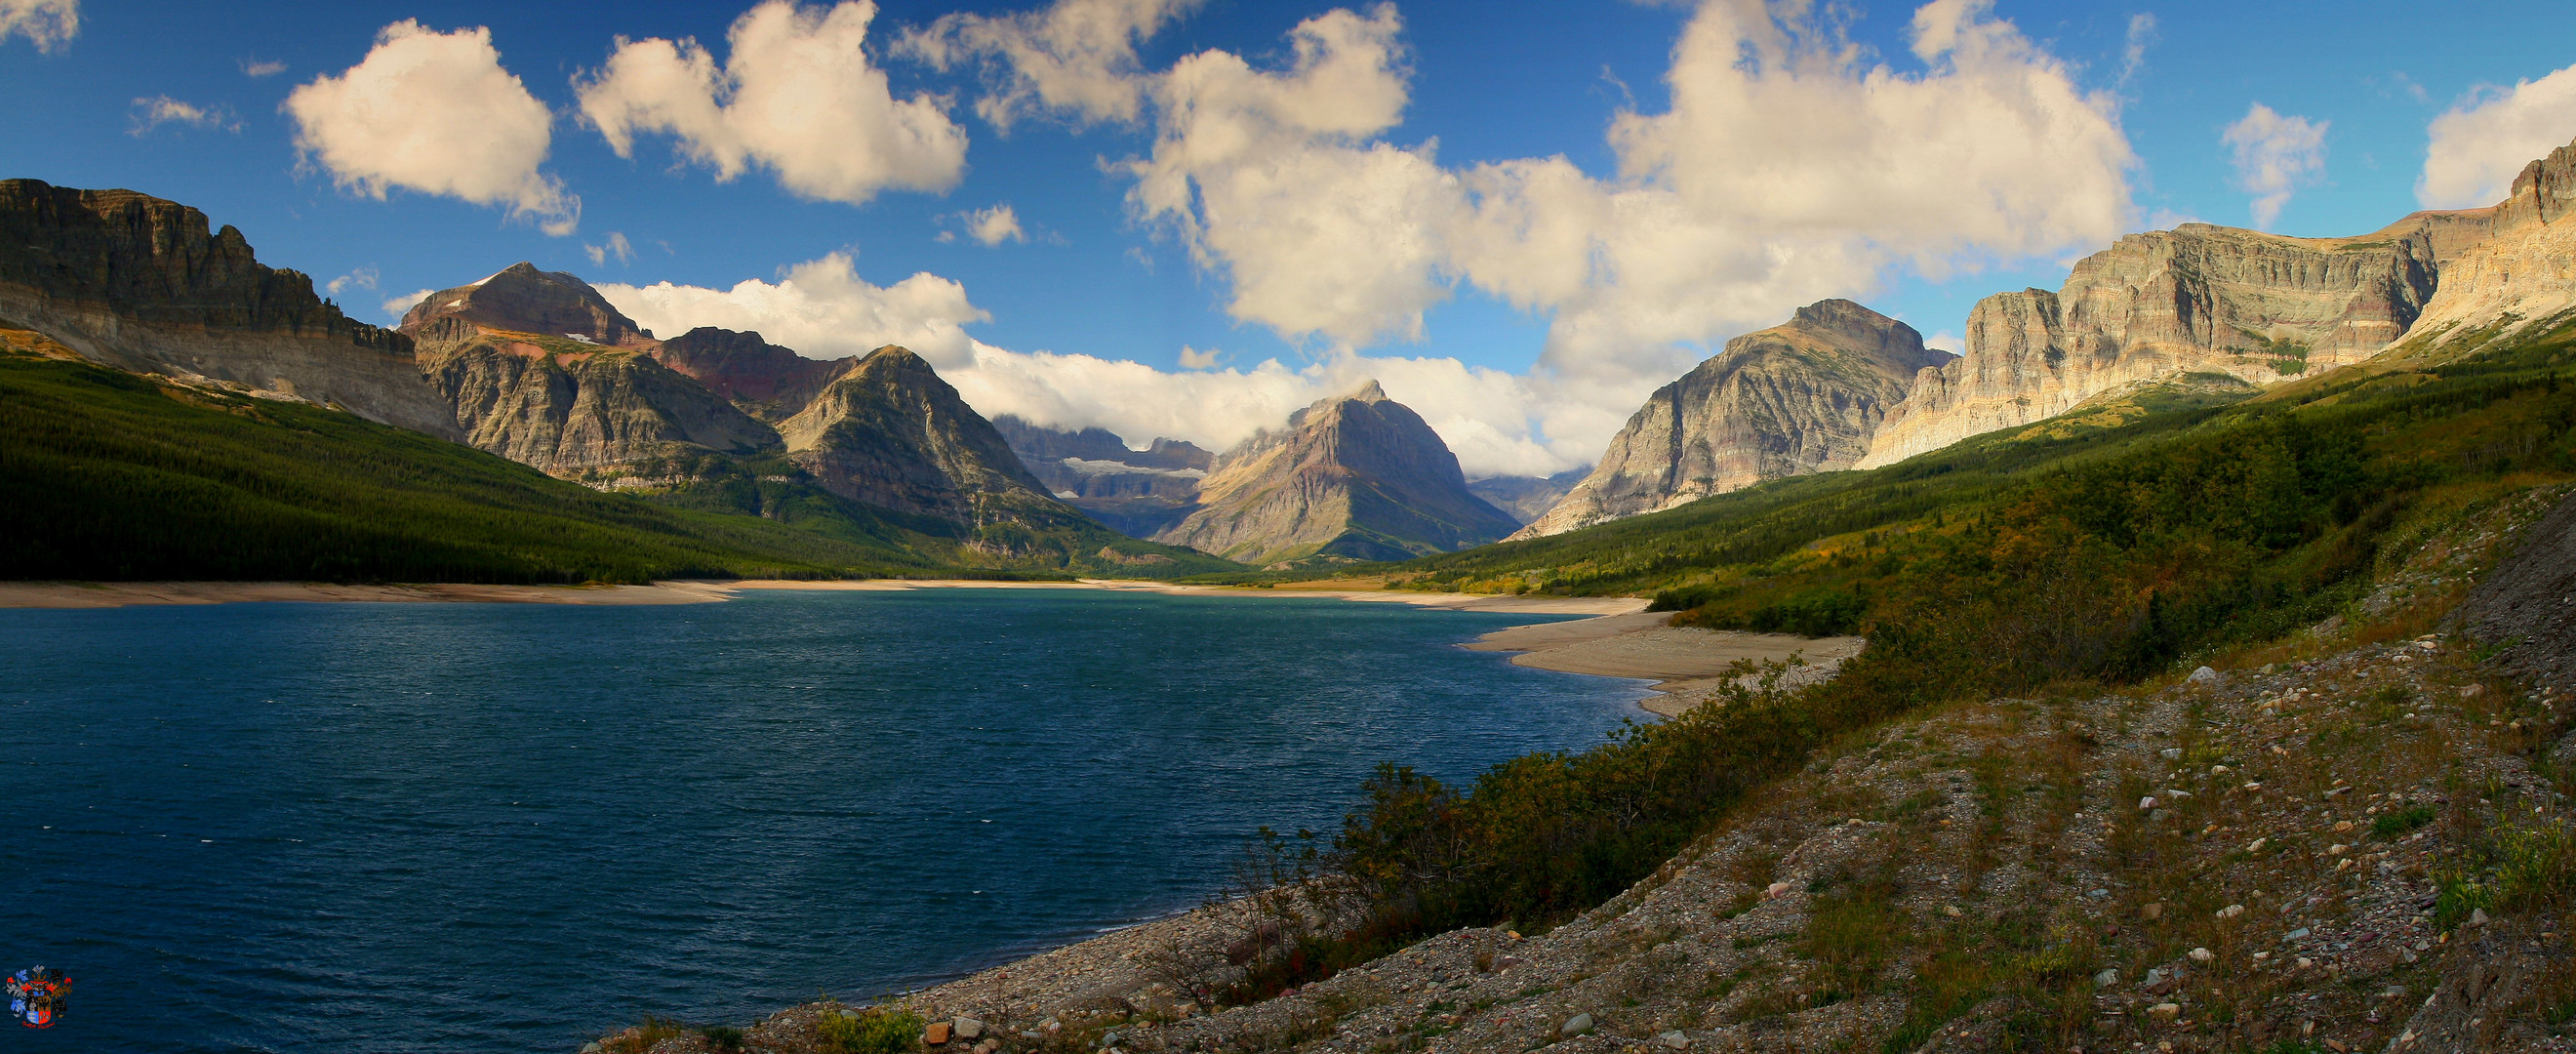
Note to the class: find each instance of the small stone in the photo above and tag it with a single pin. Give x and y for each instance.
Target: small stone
(2305, 962)
(2203, 675)
(2152, 912)
(1674, 1040)
(2472, 691)
(2342, 825)
(1775, 891)
(2167, 1011)
(2231, 911)
(1951, 910)
(2147, 803)
(2256, 845)
(2202, 955)
(2170, 753)
(1578, 1025)
(2298, 934)
(936, 1034)
(2338, 849)
(2097, 894)
(2219, 770)
(968, 1028)
(591, 1047)
(2106, 978)
(2477, 916)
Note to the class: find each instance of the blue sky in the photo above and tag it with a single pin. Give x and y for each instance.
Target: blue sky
(1521, 366)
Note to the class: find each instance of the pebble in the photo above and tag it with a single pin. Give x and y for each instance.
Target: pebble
(2202, 955)
(2203, 675)
(1776, 891)
(2166, 1011)
(2231, 911)
(1674, 1040)
(968, 1028)
(2256, 845)
(936, 1034)
(1578, 1025)
(2477, 916)
(2106, 978)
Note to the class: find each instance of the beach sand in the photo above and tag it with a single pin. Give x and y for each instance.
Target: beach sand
(1689, 665)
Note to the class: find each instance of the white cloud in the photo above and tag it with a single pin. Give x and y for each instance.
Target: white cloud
(1791, 167)
(48, 24)
(1076, 57)
(255, 68)
(434, 112)
(994, 225)
(159, 110)
(397, 307)
(1194, 359)
(2275, 156)
(797, 95)
(362, 278)
(2133, 51)
(2482, 143)
(821, 308)
(617, 246)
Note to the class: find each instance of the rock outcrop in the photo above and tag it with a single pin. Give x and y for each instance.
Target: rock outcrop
(2195, 299)
(892, 434)
(1354, 477)
(1804, 396)
(595, 405)
(2522, 278)
(1138, 493)
(142, 284)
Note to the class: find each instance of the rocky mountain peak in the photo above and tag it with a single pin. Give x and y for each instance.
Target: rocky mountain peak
(523, 299)
(1803, 396)
(768, 381)
(1353, 477)
(2544, 192)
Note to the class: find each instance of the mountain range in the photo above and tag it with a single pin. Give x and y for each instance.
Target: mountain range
(2200, 312)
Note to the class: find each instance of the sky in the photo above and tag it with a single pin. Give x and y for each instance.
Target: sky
(1186, 218)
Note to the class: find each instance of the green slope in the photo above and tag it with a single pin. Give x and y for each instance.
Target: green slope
(105, 475)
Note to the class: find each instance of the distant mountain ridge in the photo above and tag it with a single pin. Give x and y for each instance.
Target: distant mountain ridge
(1139, 493)
(1353, 477)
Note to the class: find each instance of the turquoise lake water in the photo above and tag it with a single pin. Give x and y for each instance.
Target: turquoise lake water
(472, 827)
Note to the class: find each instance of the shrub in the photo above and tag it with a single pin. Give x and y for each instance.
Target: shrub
(872, 1031)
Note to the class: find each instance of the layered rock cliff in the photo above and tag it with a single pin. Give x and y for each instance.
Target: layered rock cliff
(1138, 493)
(141, 284)
(2195, 299)
(524, 386)
(1355, 477)
(2522, 279)
(1803, 396)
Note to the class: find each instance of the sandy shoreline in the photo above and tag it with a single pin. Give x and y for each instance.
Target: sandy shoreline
(1689, 665)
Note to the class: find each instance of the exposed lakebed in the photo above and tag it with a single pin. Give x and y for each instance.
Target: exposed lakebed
(465, 827)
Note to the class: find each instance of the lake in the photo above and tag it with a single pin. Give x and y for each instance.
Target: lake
(495, 827)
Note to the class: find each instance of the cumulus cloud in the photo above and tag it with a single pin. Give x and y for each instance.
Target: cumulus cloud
(436, 113)
(1076, 58)
(1194, 359)
(991, 226)
(48, 24)
(361, 278)
(161, 110)
(2482, 143)
(1790, 167)
(821, 308)
(797, 95)
(397, 307)
(2275, 155)
(616, 247)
